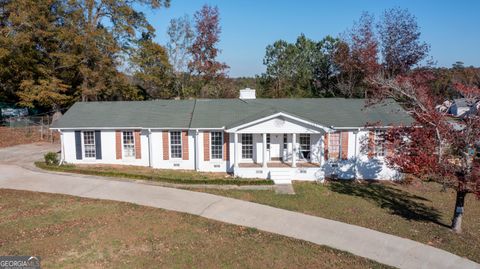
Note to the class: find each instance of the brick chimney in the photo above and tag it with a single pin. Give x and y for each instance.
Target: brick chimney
(247, 93)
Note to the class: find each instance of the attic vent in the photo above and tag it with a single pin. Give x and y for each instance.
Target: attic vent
(247, 93)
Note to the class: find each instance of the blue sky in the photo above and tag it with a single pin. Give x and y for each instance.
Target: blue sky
(452, 28)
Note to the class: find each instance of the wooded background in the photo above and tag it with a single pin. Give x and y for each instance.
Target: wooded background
(56, 52)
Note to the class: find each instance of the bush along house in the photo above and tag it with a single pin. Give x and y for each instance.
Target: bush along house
(278, 139)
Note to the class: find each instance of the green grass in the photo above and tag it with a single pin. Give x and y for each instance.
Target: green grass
(421, 212)
(159, 175)
(71, 232)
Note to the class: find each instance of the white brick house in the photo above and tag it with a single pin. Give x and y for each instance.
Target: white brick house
(281, 139)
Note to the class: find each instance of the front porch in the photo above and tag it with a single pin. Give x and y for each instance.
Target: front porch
(277, 150)
(280, 147)
(301, 164)
(281, 157)
(280, 172)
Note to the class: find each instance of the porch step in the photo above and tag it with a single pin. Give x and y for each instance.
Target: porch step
(281, 176)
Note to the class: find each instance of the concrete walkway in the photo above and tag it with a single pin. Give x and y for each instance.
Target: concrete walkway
(381, 247)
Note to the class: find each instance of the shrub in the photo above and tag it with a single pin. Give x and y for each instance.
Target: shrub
(51, 158)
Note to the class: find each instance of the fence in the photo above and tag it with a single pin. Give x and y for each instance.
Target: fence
(33, 124)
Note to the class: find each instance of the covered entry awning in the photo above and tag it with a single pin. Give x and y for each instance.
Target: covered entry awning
(274, 123)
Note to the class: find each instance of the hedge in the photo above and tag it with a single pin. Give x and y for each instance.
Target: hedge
(73, 169)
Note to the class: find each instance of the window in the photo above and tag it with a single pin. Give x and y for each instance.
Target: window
(334, 146)
(247, 146)
(217, 145)
(89, 144)
(285, 141)
(379, 140)
(268, 141)
(128, 144)
(305, 146)
(176, 144)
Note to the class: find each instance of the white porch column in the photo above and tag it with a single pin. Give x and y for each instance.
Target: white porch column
(356, 155)
(235, 148)
(62, 148)
(294, 150)
(150, 147)
(197, 150)
(264, 150)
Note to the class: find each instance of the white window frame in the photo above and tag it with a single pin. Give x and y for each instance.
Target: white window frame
(170, 145)
(285, 142)
(221, 146)
(300, 150)
(338, 150)
(85, 148)
(250, 147)
(123, 145)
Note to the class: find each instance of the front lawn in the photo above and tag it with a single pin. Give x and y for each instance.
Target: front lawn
(71, 232)
(422, 212)
(160, 175)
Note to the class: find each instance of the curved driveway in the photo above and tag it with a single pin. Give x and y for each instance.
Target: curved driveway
(16, 173)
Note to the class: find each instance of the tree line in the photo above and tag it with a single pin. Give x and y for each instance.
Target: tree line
(339, 66)
(56, 52)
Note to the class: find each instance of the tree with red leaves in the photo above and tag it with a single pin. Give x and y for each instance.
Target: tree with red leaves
(356, 56)
(204, 48)
(438, 147)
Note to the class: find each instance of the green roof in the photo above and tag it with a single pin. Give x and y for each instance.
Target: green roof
(228, 113)
(144, 114)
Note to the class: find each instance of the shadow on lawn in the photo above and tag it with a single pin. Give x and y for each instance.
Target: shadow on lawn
(398, 202)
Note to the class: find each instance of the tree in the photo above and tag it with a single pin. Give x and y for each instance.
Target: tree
(152, 69)
(31, 52)
(181, 37)
(106, 31)
(436, 147)
(357, 57)
(325, 69)
(400, 41)
(204, 48)
(279, 59)
(305, 68)
(55, 51)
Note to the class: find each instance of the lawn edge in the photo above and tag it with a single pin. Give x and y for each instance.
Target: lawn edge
(156, 179)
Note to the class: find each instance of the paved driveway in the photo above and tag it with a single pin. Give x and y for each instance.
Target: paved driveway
(26, 154)
(16, 173)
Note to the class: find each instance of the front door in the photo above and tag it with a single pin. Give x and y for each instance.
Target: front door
(276, 142)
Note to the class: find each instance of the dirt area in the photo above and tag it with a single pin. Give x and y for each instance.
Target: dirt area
(22, 135)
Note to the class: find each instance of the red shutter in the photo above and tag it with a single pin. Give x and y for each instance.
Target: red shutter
(185, 152)
(371, 144)
(226, 146)
(206, 146)
(344, 145)
(118, 144)
(165, 145)
(325, 150)
(138, 145)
